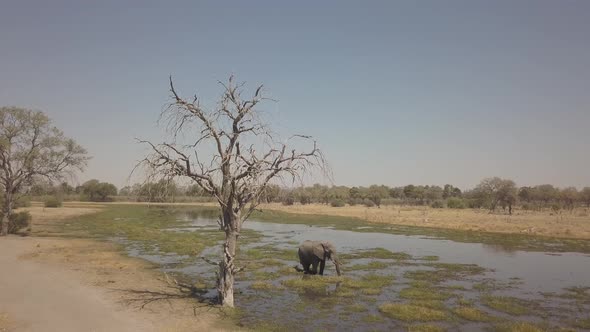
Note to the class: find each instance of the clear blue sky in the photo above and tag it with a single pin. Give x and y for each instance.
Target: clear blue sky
(396, 92)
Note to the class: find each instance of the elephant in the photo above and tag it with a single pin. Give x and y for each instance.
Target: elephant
(314, 252)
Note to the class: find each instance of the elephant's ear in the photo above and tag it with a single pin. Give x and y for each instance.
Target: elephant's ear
(319, 251)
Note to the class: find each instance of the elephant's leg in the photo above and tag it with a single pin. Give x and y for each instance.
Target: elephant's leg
(322, 265)
(314, 269)
(306, 268)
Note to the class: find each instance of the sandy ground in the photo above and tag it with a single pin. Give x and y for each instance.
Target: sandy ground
(57, 284)
(565, 224)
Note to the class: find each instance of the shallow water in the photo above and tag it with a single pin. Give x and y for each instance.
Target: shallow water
(521, 274)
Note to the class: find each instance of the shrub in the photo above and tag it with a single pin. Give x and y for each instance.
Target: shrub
(289, 201)
(455, 203)
(52, 202)
(22, 202)
(337, 203)
(304, 199)
(18, 221)
(437, 205)
(354, 201)
(368, 203)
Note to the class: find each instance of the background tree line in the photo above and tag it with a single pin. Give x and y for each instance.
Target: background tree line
(491, 193)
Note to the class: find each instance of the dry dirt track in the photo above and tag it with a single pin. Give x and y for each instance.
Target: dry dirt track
(39, 297)
(62, 284)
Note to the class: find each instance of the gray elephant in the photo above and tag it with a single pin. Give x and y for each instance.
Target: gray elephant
(314, 252)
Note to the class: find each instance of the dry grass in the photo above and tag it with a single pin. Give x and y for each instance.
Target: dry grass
(566, 224)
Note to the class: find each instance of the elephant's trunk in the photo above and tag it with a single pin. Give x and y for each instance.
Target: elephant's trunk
(336, 264)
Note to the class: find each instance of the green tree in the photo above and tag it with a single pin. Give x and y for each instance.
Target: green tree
(545, 193)
(433, 193)
(376, 193)
(272, 193)
(569, 196)
(585, 196)
(96, 191)
(494, 191)
(159, 191)
(31, 149)
(525, 194)
(451, 191)
(125, 191)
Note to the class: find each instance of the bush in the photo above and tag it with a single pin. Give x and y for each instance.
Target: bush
(355, 201)
(337, 203)
(18, 221)
(368, 203)
(289, 201)
(437, 205)
(52, 202)
(455, 203)
(304, 199)
(22, 202)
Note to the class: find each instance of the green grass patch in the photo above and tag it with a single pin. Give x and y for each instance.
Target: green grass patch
(582, 323)
(432, 304)
(311, 282)
(518, 327)
(472, 314)
(411, 313)
(577, 293)
(372, 319)
(425, 328)
(262, 285)
(270, 252)
(509, 305)
(429, 258)
(369, 281)
(147, 227)
(371, 291)
(376, 265)
(377, 253)
(355, 308)
(423, 293)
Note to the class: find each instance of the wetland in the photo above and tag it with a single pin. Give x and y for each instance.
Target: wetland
(399, 278)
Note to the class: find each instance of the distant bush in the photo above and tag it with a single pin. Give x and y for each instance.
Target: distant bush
(455, 203)
(437, 205)
(304, 199)
(337, 203)
(289, 201)
(354, 201)
(555, 207)
(22, 202)
(52, 202)
(368, 203)
(18, 221)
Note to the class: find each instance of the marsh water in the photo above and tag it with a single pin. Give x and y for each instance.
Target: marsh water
(471, 286)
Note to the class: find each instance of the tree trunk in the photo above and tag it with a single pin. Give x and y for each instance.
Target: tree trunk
(4, 225)
(6, 212)
(227, 269)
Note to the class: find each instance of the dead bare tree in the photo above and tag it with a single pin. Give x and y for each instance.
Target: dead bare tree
(233, 156)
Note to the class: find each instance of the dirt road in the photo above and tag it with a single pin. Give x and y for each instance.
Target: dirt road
(39, 297)
(62, 284)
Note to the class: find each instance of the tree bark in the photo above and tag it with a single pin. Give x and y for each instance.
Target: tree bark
(227, 269)
(6, 212)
